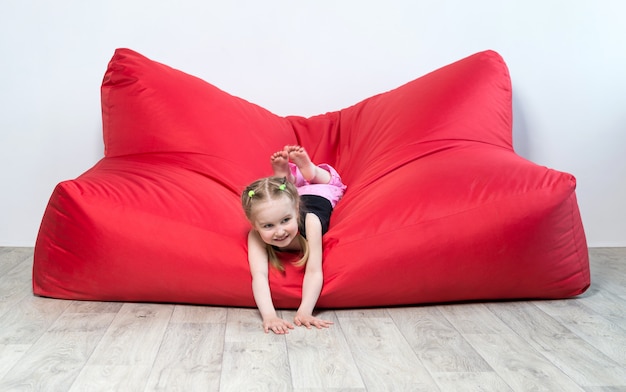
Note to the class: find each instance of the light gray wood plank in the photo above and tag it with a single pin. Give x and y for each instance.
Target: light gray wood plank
(321, 358)
(9, 355)
(256, 366)
(190, 358)
(560, 345)
(610, 256)
(126, 353)
(11, 257)
(384, 357)
(517, 345)
(607, 269)
(440, 346)
(253, 360)
(362, 313)
(55, 360)
(605, 389)
(471, 382)
(30, 318)
(134, 335)
(199, 314)
(606, 280)
(475, 317)
(94, 307)
(520, 366)
(604, 335)
(15, 283)
(607, 303)
(244, 325)
(122, 378)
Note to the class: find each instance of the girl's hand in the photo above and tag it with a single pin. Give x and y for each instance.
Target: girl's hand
(307, 320)
(277, 325)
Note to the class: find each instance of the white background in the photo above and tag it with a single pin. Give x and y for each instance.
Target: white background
(567, 60)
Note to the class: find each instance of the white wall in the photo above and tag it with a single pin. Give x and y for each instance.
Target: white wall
(567, 59)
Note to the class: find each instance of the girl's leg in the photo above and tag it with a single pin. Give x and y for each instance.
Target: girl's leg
(310, 172)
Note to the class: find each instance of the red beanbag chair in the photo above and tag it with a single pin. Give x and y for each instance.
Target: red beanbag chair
(438, 207)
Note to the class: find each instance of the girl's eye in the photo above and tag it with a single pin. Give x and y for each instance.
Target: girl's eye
(286, 220)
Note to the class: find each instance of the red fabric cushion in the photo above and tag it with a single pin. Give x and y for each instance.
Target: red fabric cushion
(438, 207)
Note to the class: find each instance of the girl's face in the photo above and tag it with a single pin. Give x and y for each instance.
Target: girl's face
(276, 221)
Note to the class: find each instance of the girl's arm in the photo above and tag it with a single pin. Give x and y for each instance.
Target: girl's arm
(259, 266)
(313, 276)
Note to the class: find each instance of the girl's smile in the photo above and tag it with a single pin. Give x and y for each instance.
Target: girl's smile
(276, 221)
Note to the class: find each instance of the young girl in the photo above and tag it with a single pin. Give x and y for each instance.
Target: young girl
(290, 212)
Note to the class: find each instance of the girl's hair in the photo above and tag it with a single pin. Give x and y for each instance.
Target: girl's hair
(272, 188)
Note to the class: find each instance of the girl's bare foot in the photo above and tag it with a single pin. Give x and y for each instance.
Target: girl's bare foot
(280, 164)
(310, 172)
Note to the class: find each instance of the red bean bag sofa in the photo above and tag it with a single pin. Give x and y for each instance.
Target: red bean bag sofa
(438, 208)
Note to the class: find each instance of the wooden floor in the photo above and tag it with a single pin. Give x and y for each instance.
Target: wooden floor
(567, 345)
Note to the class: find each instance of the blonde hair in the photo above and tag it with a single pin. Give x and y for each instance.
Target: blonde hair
(272, 188)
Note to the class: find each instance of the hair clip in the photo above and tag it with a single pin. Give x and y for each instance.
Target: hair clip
(283, 186)
(250, 193)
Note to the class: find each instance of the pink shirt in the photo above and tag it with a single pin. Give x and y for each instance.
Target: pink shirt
(333, 191)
